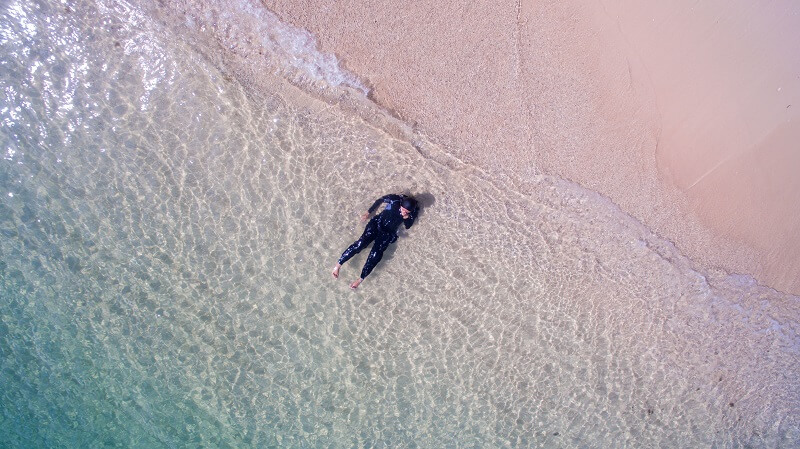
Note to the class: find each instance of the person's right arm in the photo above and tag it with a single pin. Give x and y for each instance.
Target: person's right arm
(384, 199)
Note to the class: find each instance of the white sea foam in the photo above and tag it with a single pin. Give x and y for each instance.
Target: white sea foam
(248, 27)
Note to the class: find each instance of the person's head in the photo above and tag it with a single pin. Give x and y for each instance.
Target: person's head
(407, 206)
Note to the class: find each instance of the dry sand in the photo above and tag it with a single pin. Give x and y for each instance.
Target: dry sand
(683, 113)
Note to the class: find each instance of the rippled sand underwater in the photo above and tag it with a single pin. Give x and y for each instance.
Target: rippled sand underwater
(167, 238)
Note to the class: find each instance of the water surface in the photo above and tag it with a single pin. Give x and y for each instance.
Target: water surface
(166, 238)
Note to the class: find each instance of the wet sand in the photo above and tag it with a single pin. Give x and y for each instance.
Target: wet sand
(684, 115)
(173, 195)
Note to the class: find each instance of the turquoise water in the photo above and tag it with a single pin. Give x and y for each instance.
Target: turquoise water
(167, 235)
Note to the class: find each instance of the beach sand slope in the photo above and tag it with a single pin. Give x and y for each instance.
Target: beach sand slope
(685, 115)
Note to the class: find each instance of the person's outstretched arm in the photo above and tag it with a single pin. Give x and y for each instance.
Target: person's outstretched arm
(384, 199)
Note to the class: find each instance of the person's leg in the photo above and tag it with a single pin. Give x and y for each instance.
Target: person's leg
(382, 242)
(366, 238)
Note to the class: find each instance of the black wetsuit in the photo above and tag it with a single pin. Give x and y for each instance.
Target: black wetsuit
(382, 229)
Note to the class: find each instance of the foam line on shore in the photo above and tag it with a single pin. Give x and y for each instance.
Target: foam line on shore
(248, 28)
(255, 41)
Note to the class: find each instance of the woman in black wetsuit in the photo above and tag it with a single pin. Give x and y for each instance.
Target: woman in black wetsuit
(382, 229)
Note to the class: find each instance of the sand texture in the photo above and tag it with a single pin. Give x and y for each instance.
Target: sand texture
(685, 115)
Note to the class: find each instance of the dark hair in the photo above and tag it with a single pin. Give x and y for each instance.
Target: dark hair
(409, 203)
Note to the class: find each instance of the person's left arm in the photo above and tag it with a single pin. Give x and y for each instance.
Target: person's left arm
(411, 217)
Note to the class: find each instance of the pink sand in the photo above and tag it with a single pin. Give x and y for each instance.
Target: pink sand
(683, 113)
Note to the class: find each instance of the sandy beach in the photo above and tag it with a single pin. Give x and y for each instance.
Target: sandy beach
(179, 177)
(682, 114)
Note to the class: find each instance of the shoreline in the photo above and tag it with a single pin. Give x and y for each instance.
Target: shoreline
(528, 90)
(519, 310)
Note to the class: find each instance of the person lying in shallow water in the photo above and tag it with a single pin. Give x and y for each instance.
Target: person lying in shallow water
(382, 230)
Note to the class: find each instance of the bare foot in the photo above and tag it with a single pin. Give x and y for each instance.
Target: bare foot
(335, 272)
(356, 283)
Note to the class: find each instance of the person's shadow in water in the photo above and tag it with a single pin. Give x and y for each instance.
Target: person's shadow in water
(424, 200)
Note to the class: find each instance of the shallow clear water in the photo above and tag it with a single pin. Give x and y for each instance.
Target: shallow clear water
(167, 236)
